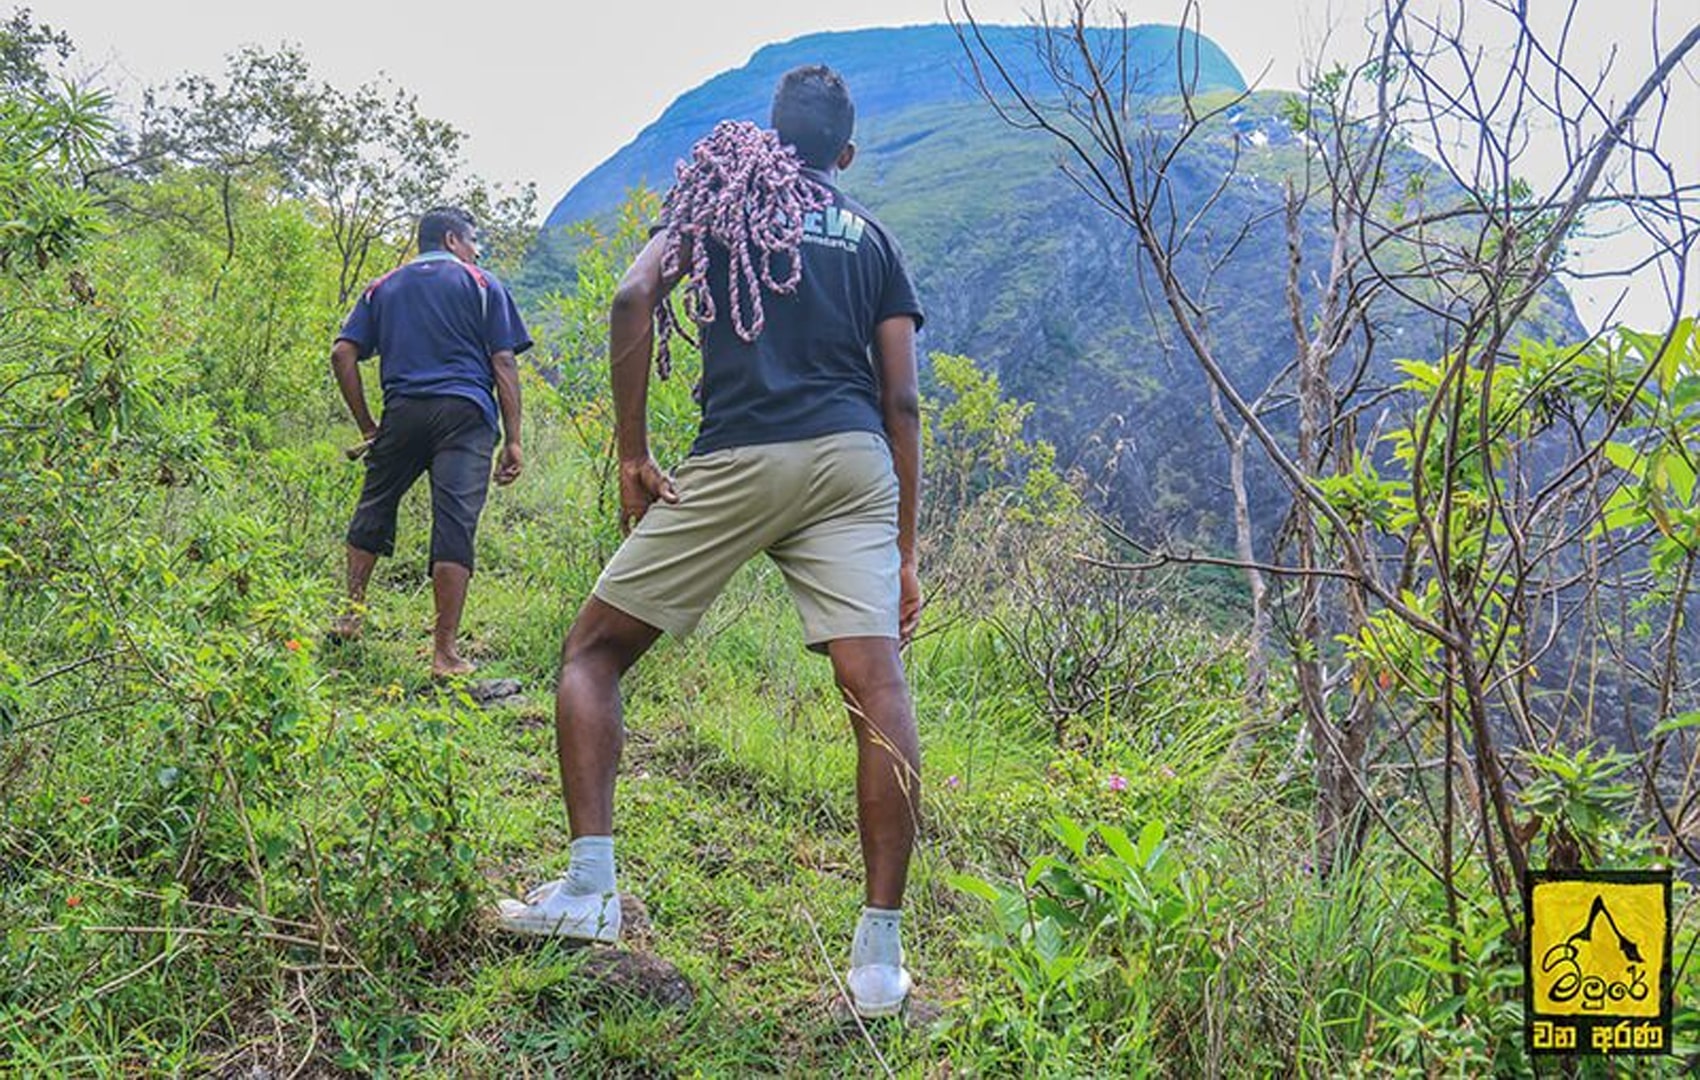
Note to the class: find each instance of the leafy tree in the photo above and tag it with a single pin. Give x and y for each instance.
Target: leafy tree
(25, 49)
(368, 160)
(50, 135)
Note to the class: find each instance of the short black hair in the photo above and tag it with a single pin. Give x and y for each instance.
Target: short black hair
(439, 221)
(812, 112)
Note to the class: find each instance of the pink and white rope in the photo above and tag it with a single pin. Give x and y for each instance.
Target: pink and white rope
(744, 190)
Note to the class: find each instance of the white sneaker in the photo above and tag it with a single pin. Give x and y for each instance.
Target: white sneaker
(548, 911)
(878, 989)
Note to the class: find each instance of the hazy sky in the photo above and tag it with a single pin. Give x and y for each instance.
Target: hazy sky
(547, 91)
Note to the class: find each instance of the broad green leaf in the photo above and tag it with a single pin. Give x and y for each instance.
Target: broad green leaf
(1679, 722)
(1073, 837)
(1040, 865)
(1048, 941)
(1670, 361)
(1621, 511)
(1681, 475)
(973, 886)
(1149, 838)
(1117, 840)
(1627, 458)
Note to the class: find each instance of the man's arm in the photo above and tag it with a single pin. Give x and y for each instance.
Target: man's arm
(900, 407)
(631, 344)
(506, 370)
(345, 362)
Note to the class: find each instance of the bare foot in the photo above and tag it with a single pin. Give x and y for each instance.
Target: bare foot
(344, 628)
(451, 667)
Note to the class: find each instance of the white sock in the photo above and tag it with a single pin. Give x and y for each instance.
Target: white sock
(876, 940)
(591, 871)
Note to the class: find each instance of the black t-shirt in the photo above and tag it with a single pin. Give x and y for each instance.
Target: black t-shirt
(810, 372)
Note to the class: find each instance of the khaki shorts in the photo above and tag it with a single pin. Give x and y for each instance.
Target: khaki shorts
(824, 510)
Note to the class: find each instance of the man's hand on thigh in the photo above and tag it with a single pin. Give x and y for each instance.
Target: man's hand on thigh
(642, 483)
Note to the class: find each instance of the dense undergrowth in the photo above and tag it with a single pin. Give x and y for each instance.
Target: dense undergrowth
(230, 848)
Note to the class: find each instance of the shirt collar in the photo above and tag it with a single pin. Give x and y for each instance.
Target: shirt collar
(434, 256)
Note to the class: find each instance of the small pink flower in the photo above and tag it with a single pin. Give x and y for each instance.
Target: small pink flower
(292, 645)
(953, 782)
(1117, 782)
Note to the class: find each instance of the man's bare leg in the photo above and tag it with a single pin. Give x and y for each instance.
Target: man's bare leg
(888, 803)
(589, 733)
(346, 627)
(448, 588)
(888, 760)
(589, 726)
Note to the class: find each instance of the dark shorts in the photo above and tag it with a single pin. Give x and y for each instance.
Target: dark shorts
(447, 436)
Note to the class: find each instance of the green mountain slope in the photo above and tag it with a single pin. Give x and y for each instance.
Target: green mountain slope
(889, 71)
(1023, 272)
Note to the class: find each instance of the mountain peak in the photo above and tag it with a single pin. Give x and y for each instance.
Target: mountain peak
(888, 69)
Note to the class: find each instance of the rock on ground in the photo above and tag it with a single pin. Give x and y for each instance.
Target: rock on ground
(489, 692)
(619, 975)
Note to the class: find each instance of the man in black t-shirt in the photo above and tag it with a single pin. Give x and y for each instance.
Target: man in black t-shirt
(809, 451)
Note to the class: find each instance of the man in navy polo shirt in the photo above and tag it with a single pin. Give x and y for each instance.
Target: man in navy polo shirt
(446, 333)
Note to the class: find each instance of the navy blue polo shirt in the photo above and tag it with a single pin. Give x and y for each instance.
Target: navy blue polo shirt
(434, 324)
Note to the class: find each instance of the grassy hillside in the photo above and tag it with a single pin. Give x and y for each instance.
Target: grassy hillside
(233, 849)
